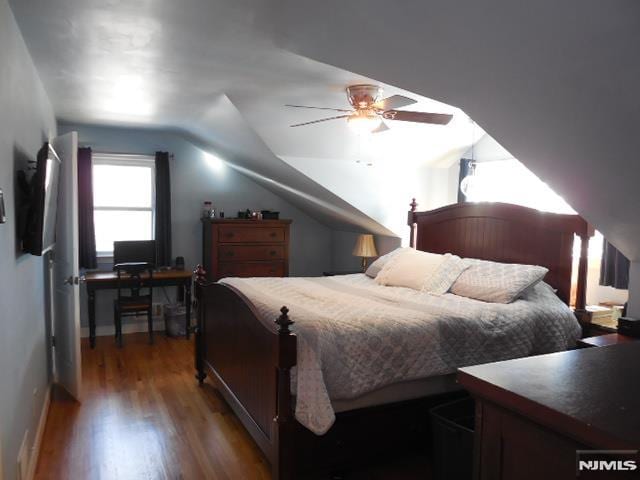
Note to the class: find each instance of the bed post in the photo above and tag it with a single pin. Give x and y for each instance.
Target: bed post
(283, 466)
(412, 223)
(583, 267)
(201, 282)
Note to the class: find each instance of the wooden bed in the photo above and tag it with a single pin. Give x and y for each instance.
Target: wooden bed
(250, 361)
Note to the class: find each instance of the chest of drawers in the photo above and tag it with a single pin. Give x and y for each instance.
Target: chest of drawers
(245, 248)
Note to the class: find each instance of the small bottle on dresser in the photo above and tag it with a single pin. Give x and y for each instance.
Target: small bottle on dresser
(206, 210)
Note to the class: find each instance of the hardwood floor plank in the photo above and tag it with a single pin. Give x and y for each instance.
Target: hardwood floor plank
(145, 417)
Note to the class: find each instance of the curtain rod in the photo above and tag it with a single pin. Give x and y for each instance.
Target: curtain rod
(128, 154)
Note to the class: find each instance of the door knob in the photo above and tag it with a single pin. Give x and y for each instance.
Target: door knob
(71, 280)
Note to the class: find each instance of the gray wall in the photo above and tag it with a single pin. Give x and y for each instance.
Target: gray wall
(26, 121)
(194, 180)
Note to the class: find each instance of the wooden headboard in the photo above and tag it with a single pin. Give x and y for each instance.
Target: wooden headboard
(507, 233)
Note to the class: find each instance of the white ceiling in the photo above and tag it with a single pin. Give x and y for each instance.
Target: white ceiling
(414, 143)
(211, 69)
(142, 62)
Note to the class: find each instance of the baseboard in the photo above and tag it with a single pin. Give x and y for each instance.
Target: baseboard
(127, 327)
(37, 441)
(1, 464)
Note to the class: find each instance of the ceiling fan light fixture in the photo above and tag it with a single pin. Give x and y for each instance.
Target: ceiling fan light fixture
(363, 96)
(364, 121)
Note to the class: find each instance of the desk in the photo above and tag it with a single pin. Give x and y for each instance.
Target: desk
(109, 281)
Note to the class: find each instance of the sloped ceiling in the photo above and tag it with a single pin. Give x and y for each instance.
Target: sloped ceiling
(211, 69)
(556, 83)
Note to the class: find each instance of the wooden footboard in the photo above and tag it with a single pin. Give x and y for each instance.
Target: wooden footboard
(250, 359)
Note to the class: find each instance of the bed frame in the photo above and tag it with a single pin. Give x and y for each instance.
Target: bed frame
(250, 357)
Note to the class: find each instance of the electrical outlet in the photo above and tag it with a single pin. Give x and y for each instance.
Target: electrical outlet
(23, 458)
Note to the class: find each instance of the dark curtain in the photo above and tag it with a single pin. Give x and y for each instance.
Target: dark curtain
(86, 230)
(465, 169)
(163, 209)
(614, 267)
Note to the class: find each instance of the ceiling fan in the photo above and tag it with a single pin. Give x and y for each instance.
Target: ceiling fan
(369, 111)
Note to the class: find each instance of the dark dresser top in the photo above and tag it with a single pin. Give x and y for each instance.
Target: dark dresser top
(591, 395)
(248, 221)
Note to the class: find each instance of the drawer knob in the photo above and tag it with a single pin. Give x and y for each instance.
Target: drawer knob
(229, 254)
(273, 253)
(229, 234)
(272, 234)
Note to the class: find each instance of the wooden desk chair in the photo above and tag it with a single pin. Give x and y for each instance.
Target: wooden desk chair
(130, 277)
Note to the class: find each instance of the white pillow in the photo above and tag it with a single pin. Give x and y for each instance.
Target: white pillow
(447, 273)
(410, 268)
(375, 267)
(497, 282)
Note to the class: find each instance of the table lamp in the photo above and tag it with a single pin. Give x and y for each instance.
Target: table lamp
(365, 248)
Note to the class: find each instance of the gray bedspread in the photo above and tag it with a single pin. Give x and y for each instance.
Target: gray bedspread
(355, 336)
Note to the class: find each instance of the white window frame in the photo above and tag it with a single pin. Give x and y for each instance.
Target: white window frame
(128, 160)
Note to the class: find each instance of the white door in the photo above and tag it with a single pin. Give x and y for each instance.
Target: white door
(66, 271)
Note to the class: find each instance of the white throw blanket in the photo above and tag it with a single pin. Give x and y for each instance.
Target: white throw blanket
(355, 336)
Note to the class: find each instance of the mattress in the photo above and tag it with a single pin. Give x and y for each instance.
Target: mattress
(398, 392)
(356, 337)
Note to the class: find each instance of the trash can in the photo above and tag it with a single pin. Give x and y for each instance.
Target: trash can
(174, 320)
(452, 427)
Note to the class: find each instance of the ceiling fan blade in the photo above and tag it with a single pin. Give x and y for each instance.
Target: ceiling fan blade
(321, 120)
(420, 117)
(394, 101)
(319, 108)
(383, 127)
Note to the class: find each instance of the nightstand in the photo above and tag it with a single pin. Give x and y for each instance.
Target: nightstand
(605, 340)
(333, 273)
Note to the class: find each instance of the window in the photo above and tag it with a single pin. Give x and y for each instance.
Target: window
(509, 181)
(123, 199)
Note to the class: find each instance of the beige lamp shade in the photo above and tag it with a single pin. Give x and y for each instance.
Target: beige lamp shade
(365, 246)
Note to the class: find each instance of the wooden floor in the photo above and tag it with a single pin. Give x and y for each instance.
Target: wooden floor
(143, 416)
